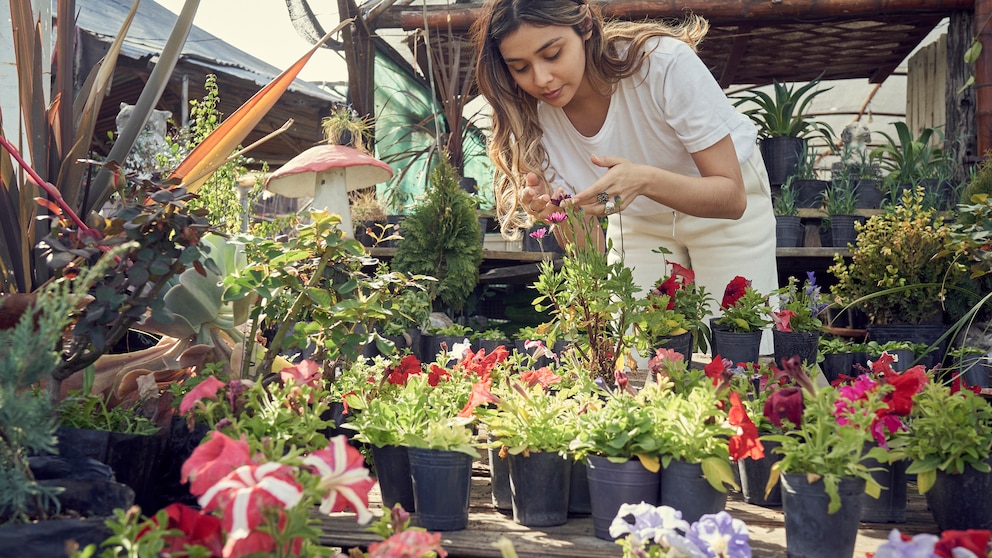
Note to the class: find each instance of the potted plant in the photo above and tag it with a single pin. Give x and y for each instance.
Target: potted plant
(971, 364)
(948, 445)
(369, 218)
(822, 472)
(441, 239)
(840, 201)
(898, 271)
(737, 331)
(838, 357)
(806, 182)
(687, 301)
(783, 125)
(909, 160)
(797, 320)
(788, 224)
(533, 427)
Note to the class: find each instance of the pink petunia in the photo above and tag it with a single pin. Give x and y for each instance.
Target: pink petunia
(213, 460)
(306, 373)
(480, 394)
(404, 544)
(344, 476)
(245, 493)
(207, 389)
(782, 319)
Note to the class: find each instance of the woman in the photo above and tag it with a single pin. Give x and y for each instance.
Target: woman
(627, 120)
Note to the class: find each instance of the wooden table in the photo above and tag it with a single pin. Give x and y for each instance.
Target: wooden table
(575, 538)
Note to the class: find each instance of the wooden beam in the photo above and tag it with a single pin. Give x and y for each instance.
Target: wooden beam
(462, 18)
(983, 76)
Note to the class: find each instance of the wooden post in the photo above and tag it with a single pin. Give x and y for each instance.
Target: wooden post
(983, 76)
(959, 132)
(360, 58)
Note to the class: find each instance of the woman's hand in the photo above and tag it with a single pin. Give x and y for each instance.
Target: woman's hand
(614, 191)
(536, 199)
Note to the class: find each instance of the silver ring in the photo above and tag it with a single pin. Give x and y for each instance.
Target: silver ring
(611, 207)
(602, 197)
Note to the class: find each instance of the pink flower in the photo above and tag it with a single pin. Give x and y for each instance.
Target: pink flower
(213, 460)
(782, 318)
(306, 373)
(408, 544)
(543, 376)
(785, 404)
(241, 497)
(207, 389)
(539, 233)
(557, 217)
(344, 476)
(480, 394)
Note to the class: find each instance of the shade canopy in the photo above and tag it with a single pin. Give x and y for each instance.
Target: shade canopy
(299, 177)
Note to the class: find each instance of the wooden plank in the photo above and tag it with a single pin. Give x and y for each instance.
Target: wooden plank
(575, 538)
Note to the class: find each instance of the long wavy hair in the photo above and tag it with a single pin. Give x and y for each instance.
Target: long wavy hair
(614, 51)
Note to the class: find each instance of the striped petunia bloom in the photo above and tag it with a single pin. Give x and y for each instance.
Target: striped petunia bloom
(343, 475)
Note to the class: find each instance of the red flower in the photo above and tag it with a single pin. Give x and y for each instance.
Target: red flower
(974, 540)
(745, 443)
(243, 495)
(435, 374)
(401, 373)
(207, 389)
(907, 384)
(543, 376)
(480, 394)
(305, 373)
(480, 364)
(786, 403)
(344, 476)
(213, 460)
(198, 529)
(958, 384)
(734, 291)
(679, 278)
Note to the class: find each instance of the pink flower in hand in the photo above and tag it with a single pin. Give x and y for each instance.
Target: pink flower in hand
(344, 476)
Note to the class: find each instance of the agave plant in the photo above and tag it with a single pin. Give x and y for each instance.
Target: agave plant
(783, 114)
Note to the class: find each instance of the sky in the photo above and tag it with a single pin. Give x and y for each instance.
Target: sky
(263, 28)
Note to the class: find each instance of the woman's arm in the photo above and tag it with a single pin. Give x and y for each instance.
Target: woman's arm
(717, 193)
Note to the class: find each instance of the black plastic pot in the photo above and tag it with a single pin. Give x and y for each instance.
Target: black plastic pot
(737, 347)
(914, 333)
(442, 483)
(890, 506)
(963, 501)
(842, 230)
(613, 484)
(835, 364)
(578, 490)
(754, 478)
(684, 488)
(788, 231)
(392, 470)
(812, 532)
(499, 480)
(539, 483)
(791, 343)
(782, 156)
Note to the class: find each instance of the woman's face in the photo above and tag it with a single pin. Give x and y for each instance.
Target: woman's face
(547, 62)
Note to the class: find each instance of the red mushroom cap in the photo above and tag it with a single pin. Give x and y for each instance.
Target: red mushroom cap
(362, 170)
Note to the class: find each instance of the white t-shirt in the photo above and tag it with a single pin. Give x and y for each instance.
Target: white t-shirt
(671, 108)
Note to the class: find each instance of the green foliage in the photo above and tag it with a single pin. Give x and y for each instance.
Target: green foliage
(783, 114)
(161, 236)
(785, 202)
(898, 269)
(28, 353)
(835, 345)
(620, 428)
(534, 419)
(909, 160)
(751, 312)
(312, 288)
(219, 194)
(84, 409)
(441, 239)
(947, 432)
(841, 196)
(826, 448)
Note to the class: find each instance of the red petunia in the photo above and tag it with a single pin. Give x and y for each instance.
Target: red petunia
(198, 529)
(399, 374)
(734, 291)
(435, 374)
(344, 480)
(745, 443)
(907, 384)
(786, 403)
(543, 376)
(480, 394)
(974, 540)
(481, 364)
